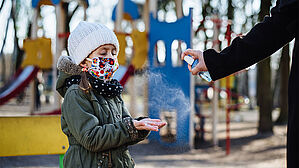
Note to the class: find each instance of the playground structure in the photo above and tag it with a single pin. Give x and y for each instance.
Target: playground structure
(35, 135)
(20, 80)
(163, 102)
(32, 135)
(168, 79)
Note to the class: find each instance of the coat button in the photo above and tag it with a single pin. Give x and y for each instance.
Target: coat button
(118, 116)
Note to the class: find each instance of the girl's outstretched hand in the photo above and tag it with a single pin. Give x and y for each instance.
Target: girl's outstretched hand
(149, 124)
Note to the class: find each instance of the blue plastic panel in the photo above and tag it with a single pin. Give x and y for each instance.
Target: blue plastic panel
(129, 8)
(35, 2)
(169, 86)
(55, 2)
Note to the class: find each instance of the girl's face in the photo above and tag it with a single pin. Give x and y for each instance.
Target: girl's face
(104, 51)
(102, 62)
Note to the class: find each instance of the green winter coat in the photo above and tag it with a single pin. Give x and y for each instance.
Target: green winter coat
(99, 129)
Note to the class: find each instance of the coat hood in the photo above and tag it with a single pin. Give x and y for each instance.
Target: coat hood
(67, 68)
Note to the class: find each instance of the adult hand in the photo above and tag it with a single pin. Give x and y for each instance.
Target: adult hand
(149, 124)
(196, 54)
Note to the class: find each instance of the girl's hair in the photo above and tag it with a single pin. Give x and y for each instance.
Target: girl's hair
(84, 83)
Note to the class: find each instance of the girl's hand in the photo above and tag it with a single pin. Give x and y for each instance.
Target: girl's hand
(196, 54)
(149, 124)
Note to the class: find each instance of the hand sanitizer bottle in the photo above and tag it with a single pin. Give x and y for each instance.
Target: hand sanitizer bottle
(193, 62)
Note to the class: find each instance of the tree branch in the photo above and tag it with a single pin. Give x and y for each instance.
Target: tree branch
(2, 4)
(72, 14)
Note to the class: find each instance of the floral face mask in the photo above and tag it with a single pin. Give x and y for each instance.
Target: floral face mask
(103, 68)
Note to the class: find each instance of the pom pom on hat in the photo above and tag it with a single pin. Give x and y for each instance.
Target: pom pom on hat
(87, 37)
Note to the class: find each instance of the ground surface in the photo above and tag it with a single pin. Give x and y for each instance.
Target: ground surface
(248, 150)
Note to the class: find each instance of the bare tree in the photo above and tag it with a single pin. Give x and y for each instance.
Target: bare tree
(3, 70)
(284, 67)
(68, 17)
(17, 52)
(264, 92)
(2, 4)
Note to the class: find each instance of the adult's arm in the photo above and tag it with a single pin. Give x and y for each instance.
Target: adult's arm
(263, 40)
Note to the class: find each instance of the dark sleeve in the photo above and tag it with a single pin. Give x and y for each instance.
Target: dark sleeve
(141, 134)
(263, 40)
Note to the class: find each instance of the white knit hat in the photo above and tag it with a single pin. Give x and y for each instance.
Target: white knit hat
(87, 37)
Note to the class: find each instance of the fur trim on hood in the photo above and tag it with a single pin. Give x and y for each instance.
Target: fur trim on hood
(67, 68)
(67, 65)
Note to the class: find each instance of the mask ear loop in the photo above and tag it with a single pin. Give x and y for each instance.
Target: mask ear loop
(89, 59)
(85, 69)
(84, 83)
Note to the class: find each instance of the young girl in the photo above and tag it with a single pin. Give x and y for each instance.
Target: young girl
(98, 126)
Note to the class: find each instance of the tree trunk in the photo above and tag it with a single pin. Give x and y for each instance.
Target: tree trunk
(17, 53)
(65, 7)
(264, 83)
(284, 77)
(206, 11)
(230, 10)
(3, 70)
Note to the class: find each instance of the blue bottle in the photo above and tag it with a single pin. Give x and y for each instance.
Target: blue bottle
(205, 74)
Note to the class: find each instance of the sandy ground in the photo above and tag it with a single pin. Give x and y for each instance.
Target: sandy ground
(248, 150)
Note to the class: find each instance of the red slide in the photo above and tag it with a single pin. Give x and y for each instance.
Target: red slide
(23, 77)
(17, 84)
